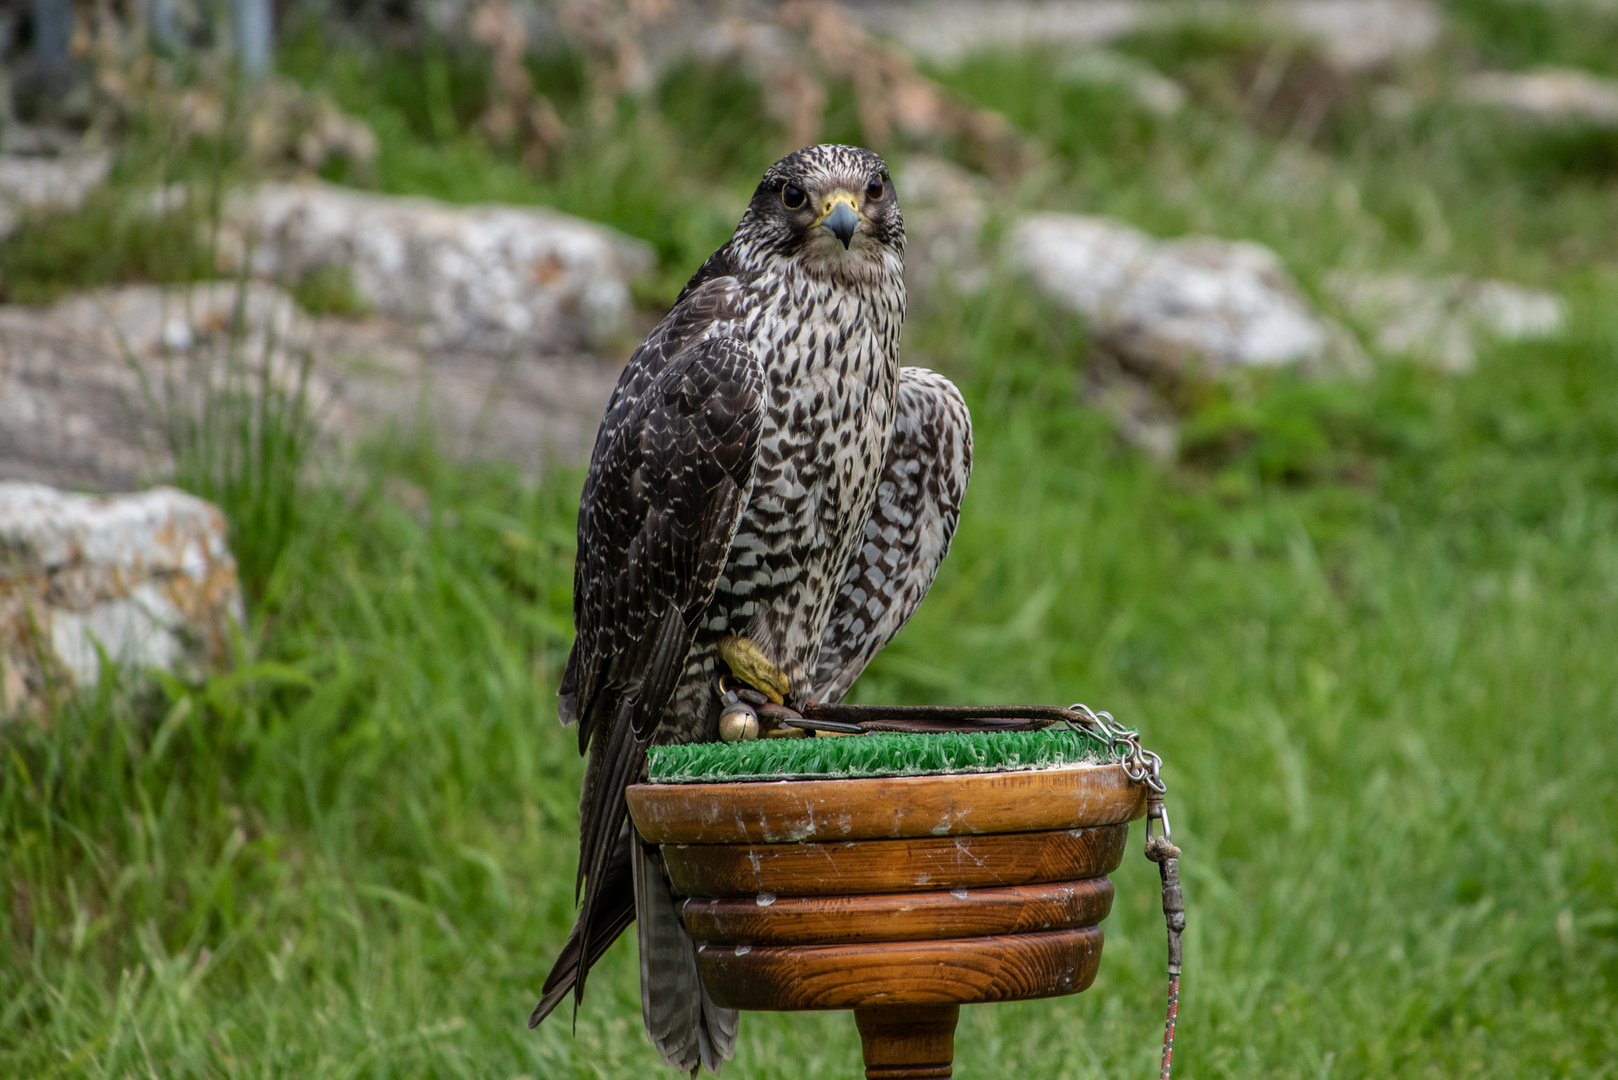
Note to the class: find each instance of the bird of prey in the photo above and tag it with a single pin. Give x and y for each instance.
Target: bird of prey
(765, 471)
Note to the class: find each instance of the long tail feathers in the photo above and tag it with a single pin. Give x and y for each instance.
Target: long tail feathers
(618, 911)
(621, 880)
(687, 1028)
(684, 1024)
(718, 1031)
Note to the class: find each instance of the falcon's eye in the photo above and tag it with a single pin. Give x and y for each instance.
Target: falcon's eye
(792, 197)
(875, 189)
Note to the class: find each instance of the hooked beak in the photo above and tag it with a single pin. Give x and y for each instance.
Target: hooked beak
(840, 218)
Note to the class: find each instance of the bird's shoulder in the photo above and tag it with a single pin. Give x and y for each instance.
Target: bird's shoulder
(698, 314)
(721, 264)
(660, 505)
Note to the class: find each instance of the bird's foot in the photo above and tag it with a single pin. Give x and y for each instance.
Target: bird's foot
(749, 664)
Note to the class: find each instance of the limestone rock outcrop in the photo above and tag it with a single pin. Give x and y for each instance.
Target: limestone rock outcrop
(1546, 95)
(1351, 34)
(1443, 320)
(47, 183)
(487, 277)
(1194, 306)
(143, 581)
(87, 385)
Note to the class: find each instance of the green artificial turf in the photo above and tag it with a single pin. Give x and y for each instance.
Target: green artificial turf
(855, 756)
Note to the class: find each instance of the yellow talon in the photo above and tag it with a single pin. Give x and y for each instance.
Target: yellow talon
(753, 668)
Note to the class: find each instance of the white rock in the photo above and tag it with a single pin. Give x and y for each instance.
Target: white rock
(1515, 313)
(484, 276)
(1548, 95)
(146, 579)
(1180, 307)
(1353, 34)
(945, 31)
(1357, 35)
(144, 321)
(1439, 320)
(85, 384)
(31, 184)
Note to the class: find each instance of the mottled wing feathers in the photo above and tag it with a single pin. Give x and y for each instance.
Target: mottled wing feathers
(679, 375)
(669, 479)
(918, 503)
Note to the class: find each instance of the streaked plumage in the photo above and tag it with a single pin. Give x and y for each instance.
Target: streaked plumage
(765, 469)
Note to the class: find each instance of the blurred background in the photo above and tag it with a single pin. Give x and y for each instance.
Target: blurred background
(1290, 332)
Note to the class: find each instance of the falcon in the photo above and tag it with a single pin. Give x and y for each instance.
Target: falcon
(766, 477)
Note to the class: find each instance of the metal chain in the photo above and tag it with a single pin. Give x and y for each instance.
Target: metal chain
(1143, 767)
(1140, 764)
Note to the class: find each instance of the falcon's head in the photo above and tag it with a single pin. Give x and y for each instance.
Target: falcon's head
(831, 208)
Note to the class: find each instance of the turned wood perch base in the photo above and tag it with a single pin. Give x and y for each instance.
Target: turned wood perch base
(904, 1041)
(901, 899)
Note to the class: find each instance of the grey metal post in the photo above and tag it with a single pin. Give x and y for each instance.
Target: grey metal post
(161, 24)
(53, 32)
(255, 32)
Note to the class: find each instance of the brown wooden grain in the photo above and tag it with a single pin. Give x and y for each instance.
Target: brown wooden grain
(885, 808)
(828, 920)
(908, 1042)
(959, 971)
(923, 864)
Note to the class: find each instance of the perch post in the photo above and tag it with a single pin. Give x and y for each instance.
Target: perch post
(904, 1041)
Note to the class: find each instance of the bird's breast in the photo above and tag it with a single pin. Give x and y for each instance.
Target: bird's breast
(831, 365)
(831, 362)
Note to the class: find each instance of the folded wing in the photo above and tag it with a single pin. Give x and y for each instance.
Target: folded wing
(918, 503)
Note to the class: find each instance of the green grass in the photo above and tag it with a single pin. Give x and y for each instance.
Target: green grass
(1370, 626)
(241, 432)
(1383, 707)
(1507, 34)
